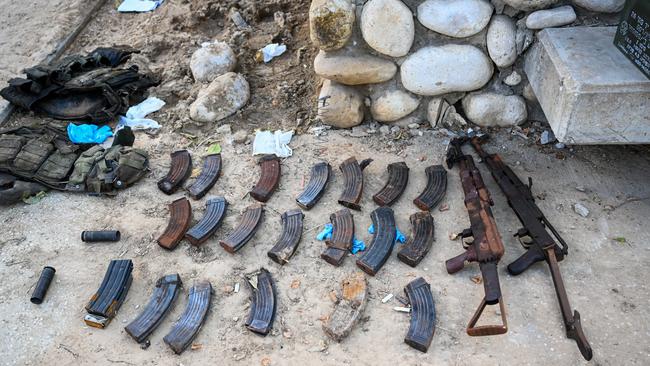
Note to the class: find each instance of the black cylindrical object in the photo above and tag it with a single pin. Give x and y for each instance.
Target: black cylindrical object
(103, 235)
(42, 285)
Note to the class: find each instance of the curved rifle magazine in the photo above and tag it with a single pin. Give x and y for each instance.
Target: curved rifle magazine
(423, 315)
(190, 323)
(348, 310)
(398, 177)
(263, 303)
(245, 230)
(320, 175)
(422, 237)
(111, 293)
(342, 236)
(208, 177)
(161, 302)
(269, 178)
(290, 238)
(180, 219)
(179, 170)
(215, 209)
(382, 242)
(352, 182)
(435, 190)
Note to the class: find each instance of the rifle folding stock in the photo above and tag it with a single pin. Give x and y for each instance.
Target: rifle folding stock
(542, 246)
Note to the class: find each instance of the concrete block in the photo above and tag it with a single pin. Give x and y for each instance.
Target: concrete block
(589, 91)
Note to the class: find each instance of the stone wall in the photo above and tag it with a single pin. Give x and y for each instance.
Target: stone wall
(411, 61)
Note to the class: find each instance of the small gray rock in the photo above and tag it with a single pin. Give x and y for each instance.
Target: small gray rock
(224, 129)
(240, 137)
(581, 210)
(391, 105)
(513, 79)
(546, 137)
(384, 130)
(549, 18)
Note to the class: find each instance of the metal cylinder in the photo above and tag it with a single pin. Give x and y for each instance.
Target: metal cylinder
(42, 285)
(104, 235)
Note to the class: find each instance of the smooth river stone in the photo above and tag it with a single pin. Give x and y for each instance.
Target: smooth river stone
(502, 40)
(388, 27)
(446, 69)
(353, 69)
(455, 18)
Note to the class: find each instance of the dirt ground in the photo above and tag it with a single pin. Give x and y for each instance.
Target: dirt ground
(605, 275)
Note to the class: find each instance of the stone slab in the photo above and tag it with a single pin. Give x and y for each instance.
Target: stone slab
(589, 91)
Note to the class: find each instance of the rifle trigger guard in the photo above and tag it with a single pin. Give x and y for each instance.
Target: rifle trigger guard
(487, 330)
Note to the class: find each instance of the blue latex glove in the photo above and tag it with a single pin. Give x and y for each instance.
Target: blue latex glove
(326, 233)
(357, 246)
(88, 134)
(399, 237)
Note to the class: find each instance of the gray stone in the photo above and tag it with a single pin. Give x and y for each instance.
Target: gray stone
(555, 17)
(602, 6)
(339, 105)
(513, 79)
(455, 18)
(213, 59)
(330, 23)
(525, 37)
(528, 5)
(224, 129)
(491, 109)
(240, 137)
(221, 98)
(453, 120)
(444, 69)
(501, 40)
(581, 210)
(391, 105)
(388, 27)
(589, 91)
(546, 137)
(436, 110)
(384, 130)
(499, 6)
(528, 93)
(353, 69)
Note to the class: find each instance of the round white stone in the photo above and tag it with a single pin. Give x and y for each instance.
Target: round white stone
(388, 27)
(502, 40)
(491, 109)
(339, 105)
(445, 69)
(555, 17)
(603, 6)
(221, 98)
(212, 60)
(528, 5)
(455, 18)
(392, 105)
(353, 69)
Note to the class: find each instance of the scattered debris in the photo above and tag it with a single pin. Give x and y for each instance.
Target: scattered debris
(444, 207)
(349, 309)
(546, 137)
(402, 309)
(581, 210)
(269, 52)
(276, 143)
(135, 116)
(477, 279)
(387, 298)
(295, 284)
(236, 287)
(88, 134)
(139, 6)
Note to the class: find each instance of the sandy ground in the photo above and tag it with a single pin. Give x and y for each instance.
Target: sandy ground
(605, 278)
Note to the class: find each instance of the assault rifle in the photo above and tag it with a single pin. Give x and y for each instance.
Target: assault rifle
(486, 247)
(535, 238)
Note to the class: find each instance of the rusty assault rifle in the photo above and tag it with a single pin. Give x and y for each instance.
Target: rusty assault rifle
(487, 247)
(534, 236)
